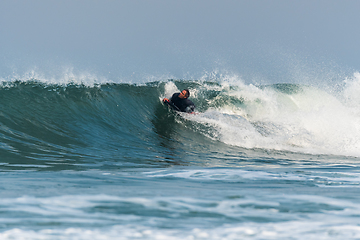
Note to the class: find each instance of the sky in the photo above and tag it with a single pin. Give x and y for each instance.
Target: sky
(274, 41)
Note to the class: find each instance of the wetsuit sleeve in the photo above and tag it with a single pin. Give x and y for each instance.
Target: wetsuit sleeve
(190, 106)
(173, 97)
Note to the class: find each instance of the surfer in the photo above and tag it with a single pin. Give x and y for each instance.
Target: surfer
(180, 102)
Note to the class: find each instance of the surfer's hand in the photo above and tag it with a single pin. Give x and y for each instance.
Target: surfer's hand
(165, 100)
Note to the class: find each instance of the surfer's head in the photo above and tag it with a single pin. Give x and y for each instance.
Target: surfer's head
(184, 93)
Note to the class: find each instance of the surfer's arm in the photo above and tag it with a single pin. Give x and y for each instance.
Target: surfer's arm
(190, 108)
(166, 100)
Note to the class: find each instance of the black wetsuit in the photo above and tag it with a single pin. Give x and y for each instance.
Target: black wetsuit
(183, 104)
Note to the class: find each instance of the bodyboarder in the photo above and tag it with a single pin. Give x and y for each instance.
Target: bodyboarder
(180, 102)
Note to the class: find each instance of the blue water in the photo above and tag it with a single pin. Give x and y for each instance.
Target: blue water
(85, 160)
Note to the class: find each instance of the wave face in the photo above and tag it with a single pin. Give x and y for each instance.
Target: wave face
(73, 123)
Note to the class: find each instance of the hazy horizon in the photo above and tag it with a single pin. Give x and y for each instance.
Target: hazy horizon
(270, 41)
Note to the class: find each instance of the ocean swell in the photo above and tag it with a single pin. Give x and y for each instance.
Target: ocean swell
(45, 124)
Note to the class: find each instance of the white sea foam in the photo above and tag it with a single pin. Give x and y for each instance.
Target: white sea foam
(330, 218)
(304, 119)
(248, 215)
(68, 75)
(321, 179)
(282, 230)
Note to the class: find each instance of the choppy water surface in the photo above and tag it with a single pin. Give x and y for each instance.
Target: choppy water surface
(110, 161)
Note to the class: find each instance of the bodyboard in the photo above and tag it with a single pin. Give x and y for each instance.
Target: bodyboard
(172, 106)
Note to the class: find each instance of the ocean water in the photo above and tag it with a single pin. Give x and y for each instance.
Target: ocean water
(87, 160)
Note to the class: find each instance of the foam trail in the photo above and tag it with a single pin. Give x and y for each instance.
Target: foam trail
(285, 117)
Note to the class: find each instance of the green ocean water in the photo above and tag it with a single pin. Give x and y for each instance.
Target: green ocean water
(109, 161)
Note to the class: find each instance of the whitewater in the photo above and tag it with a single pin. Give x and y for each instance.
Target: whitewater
(83, 157)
